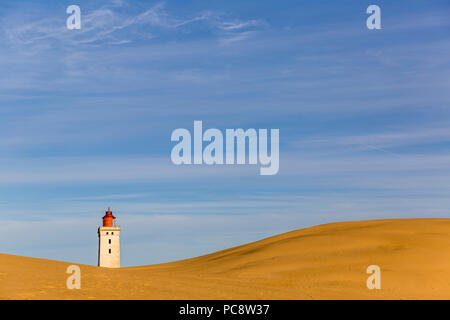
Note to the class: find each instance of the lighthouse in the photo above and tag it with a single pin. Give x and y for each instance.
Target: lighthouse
(109, 242)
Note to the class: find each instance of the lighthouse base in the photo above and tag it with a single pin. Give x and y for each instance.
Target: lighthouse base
(109, 247)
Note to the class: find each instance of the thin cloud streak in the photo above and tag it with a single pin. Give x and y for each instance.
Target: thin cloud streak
(419, 136)
(104, 25)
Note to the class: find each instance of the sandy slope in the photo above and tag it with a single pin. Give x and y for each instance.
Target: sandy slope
(323, 262)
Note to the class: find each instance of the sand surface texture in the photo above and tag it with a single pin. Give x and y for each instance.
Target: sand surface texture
(322, 262)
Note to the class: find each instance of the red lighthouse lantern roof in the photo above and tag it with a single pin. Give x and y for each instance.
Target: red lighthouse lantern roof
(108, 219)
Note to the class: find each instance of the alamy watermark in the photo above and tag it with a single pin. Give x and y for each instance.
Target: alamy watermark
(74, 20)
(373, 22)
(74, 280)
(374, 280)
(235, 147)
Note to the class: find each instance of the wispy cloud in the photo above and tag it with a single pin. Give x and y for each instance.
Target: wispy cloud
(96, 169)
(236, 25)
(391, 139)
(231, 38)
(109, 25)
(111, 197)
(434, 19)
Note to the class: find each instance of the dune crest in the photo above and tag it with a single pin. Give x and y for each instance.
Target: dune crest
(323, 262)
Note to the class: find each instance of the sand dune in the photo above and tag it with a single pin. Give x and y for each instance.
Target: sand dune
(322, 262)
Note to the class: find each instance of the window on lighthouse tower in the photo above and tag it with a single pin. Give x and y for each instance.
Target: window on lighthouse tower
(109, 251)
(109, 241)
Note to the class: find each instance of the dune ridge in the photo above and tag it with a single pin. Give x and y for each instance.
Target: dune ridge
(322, 262)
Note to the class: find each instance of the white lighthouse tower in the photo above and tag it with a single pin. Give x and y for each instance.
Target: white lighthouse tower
(109, 242)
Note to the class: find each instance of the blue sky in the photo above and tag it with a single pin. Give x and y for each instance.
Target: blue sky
(86, 117)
